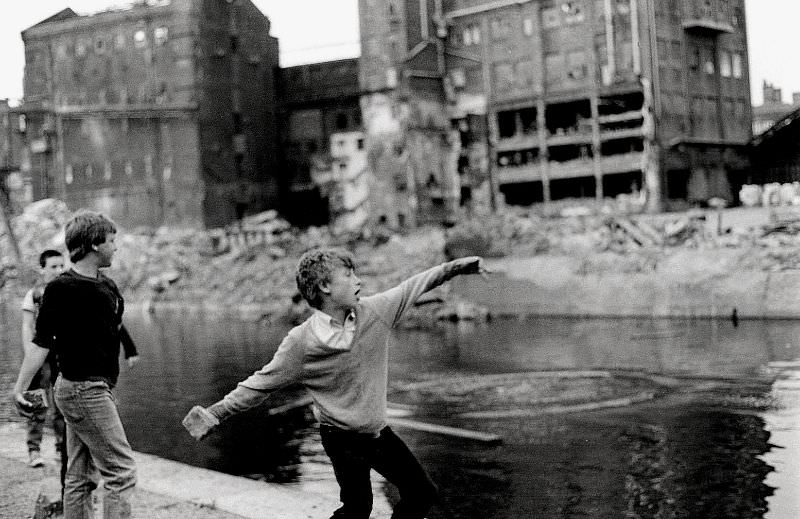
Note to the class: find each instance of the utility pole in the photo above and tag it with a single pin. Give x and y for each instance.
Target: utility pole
(5, 215)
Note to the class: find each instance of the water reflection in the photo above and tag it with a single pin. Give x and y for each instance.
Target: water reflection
(782, 421)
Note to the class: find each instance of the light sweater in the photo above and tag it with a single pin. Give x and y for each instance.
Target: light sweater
(348, 386)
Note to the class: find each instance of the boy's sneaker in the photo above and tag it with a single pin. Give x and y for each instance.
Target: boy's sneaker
(35, 459)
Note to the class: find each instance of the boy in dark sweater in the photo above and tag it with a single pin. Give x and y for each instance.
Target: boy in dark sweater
(80, 320)
(340, 354)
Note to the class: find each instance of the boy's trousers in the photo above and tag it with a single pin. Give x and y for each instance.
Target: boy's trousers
(96, 442)
(353, 454)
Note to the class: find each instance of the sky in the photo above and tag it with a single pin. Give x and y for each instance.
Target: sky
(320, 30)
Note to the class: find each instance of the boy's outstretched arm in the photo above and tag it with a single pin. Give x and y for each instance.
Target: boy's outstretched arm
(284, 369)
(394, 302)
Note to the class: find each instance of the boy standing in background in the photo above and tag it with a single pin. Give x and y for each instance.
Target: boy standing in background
(51, 264)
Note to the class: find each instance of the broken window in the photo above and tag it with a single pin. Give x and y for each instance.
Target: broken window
(128, 168)
(100, 46)
(527, 26)
(140, 39)
(528, 120)
(68, 178)
(736, 65)
(725, 66)
(160, 35)
(507, 124)
(120, 41)
(568, 118)
(80, 48)
(471, 35)
(107, 170)
(708, 62)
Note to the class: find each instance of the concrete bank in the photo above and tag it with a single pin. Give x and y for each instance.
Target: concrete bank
(690, 284)
(166, 489)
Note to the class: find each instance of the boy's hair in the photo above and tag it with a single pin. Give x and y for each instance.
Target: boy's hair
(46, 255)
(86, 228)
(315, 268)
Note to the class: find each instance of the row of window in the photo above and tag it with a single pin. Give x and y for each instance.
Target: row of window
(102, 44)
(731, 64)
(89, 172)
(574, 66)
(563, 13)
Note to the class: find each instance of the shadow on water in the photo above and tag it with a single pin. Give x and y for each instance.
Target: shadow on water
(705, 450)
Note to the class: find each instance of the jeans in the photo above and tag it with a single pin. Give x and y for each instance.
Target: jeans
(353, 454)
(95, 441)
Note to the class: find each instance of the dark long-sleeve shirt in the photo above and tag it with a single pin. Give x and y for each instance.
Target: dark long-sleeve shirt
(80, 319)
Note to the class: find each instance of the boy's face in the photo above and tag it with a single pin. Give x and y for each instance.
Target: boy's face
(107, 249)
(343, 288)
(53, 266)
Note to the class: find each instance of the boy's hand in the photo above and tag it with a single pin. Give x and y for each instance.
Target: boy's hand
(24, 408)
(472, 265)
(133, 360)
(199, 422)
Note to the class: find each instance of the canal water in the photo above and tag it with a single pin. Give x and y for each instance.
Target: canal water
(723, 442)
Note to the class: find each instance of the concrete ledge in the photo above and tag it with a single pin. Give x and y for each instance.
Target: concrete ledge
(239, 496)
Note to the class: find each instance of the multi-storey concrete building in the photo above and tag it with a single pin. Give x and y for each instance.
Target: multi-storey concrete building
(555, 98)
(159, 113)
(316, 102)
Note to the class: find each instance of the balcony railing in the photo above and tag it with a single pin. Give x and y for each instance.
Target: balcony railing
(621, 163)
(518, 142)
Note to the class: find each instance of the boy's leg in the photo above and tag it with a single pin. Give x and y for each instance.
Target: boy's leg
(103, 433)
(92, 417)
(350, 456)
(34, 437)
(81, 479)
(35, 426)
(60, 431)
(395, 461)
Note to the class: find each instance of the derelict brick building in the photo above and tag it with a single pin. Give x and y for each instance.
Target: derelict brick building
(555, 99)
(159, 113)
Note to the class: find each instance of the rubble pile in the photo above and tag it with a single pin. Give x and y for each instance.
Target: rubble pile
(40, 226)
(253, 262)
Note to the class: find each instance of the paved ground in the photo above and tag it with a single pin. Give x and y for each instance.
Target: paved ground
(166, 489)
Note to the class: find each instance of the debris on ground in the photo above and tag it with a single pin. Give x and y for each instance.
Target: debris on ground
(253, 262)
